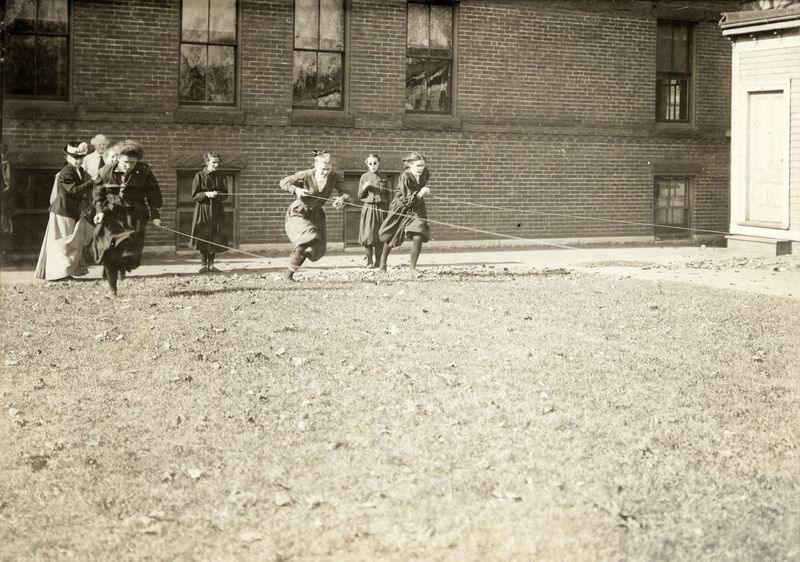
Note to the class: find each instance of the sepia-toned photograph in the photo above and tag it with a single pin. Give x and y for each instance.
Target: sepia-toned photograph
(395, 280)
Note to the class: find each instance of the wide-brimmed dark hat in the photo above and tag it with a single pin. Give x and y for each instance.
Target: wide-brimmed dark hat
(77, 149)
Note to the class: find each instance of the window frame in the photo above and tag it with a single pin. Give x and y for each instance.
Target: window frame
(673, 230)
(6, 34)
(345, 61)
(688, 75)
(231, 206)
(236, 62)
(452, 58)
(40, 173)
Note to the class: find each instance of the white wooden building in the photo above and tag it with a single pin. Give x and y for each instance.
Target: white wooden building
(765, 129)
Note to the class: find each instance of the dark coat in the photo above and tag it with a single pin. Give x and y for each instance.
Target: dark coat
(208, 221)
(126, 201)
(73, 193)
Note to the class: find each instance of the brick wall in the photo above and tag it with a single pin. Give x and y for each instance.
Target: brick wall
(554, 112)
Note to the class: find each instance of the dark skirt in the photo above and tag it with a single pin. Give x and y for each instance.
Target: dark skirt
(405, 222)
(306, 226)
(372, 217)
(208, 224)
(120, 238)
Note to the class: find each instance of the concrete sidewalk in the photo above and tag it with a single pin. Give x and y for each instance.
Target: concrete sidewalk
(707, 266)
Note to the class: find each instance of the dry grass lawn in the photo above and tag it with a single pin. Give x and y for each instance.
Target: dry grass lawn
(468, 414)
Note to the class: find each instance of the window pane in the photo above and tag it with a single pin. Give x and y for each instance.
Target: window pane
(441, 30)
(221, 64)
(222, 21)
(680, 49)
(330, 80)
(418, 29)
(185, 180)
(672, 98)
(680, 189)
(428, 85)
(185, 226)
(23, 14)
(306, 24)
(661, 216)
(677, 216)
(194, 25)
(51, 66)
(20, 76)
(53, 16)
(664, 48)
(331, 27)
(193, 72)
(305, 79)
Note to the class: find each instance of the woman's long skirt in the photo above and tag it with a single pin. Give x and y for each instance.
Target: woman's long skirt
(208, 229)
(62, 248)
(372, 217)
(404, 222)
(119, 239)
(306, 226)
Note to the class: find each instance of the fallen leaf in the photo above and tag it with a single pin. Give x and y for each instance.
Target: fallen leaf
(506, 495)
(281, 499)
(250, 536)
(194, 473)
(154, 529)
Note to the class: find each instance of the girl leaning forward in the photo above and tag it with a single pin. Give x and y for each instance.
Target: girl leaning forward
(305, 220)
(407, 212)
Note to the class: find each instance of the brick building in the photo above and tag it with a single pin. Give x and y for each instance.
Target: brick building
(557, 113)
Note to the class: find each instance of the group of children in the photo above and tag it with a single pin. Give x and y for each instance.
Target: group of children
(384, 225)
(118, 194)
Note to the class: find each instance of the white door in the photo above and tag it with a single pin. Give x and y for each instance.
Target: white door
(764, 190)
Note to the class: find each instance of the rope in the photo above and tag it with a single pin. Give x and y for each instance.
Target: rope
(212, 243)
(461, 227)
(565, 215)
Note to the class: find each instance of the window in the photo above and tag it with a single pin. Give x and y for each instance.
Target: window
(31, 188)
(318, 78)
(185, 207)
(37, 49)
(429, 58)
(208, 52)
(673, 71)
(671, 207)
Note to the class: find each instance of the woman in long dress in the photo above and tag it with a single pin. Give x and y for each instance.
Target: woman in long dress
(69, 229)
(128, 196)
(209, 235)
(373, 191)
(305, 220)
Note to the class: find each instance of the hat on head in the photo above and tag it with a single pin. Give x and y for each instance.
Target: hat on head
(77, 149)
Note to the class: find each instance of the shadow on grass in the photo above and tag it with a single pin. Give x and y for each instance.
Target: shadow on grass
(294, 288)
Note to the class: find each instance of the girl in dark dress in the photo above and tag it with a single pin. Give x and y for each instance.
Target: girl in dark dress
(128, 196)
(373, 191)
(305, 220)
(209, 190)
(407, 212)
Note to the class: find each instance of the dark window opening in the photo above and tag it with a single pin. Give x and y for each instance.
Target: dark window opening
(673, 71)
(208, 52)
(429, 58)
